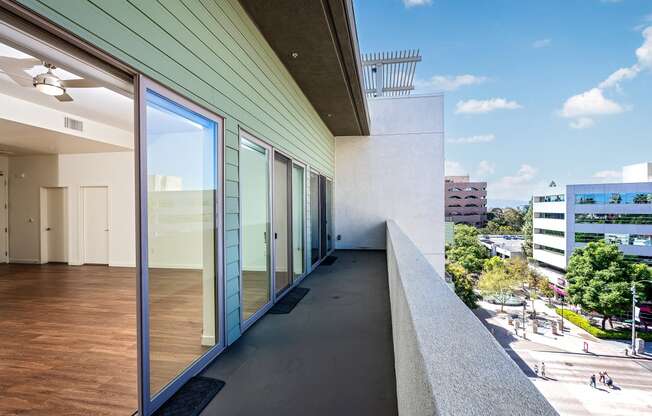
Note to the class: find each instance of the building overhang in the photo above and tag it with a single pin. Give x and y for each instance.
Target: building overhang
(317, 42)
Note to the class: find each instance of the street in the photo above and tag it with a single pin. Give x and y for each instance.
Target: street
(568, 367)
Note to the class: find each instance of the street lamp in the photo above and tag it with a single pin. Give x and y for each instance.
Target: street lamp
(634, 313)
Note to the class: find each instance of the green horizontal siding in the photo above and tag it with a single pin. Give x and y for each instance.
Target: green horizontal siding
(211, 52)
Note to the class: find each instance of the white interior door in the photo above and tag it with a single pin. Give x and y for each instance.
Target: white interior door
(96, 224)
(55, 225)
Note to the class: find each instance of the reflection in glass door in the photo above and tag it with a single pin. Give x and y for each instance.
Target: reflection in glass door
(322, 218)
(282, 239)
(298, 201)
(254, 194)
(314, 218)
(181, 256)
(329, 215)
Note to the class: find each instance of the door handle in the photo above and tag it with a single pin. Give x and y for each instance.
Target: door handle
(275, 236)
(106, 229)
(48, 229)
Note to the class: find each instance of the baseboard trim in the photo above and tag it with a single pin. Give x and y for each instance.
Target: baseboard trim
(208, 340)
(25, 261)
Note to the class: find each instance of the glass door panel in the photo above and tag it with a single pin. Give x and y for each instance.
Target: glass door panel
(298, 203)
(181, 247)
(322, 217)
(314, 218)
(282, 240)
(329, 215)
(254, 194)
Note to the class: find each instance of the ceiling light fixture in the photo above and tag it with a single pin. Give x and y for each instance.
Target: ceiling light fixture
(48, 83)
(295, 55)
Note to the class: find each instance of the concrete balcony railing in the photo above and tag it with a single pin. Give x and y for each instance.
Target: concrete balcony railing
(446, 361)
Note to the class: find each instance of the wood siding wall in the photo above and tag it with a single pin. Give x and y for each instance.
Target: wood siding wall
(212, 53)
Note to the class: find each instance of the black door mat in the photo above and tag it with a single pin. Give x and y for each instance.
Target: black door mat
(290, 300)
(192, 398)
(328, 261)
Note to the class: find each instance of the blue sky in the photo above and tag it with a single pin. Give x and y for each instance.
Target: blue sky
(534, 90)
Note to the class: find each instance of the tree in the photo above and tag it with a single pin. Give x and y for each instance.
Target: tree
(466, 249)
(498, 282)
(463, 284)
(527, 231)
(545, 290)
(600, 279)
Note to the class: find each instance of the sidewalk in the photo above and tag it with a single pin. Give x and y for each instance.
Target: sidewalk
(568, 367)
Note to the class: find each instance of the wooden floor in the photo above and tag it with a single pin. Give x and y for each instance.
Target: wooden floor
(68, 336)
(67, 340)
(256, 291)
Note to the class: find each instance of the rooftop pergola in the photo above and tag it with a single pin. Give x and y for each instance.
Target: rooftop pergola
(389, 73)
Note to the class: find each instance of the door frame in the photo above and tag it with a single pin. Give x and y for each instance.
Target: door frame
(43, 212)
(81, 229)
(149, 403)
(246, 323)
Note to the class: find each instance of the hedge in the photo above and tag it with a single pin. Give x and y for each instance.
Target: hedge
(584, 323)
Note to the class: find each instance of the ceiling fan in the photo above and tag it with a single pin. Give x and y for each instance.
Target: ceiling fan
(47, 82)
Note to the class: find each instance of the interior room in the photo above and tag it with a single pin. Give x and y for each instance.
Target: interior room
(68, 281)
(67, 271)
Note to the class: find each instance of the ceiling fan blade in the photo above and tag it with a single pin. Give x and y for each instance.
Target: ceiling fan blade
(79, 83)
(64, 98)
(20, 78)
(18, 63)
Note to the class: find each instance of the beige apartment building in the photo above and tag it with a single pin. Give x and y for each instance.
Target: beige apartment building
(466, 201)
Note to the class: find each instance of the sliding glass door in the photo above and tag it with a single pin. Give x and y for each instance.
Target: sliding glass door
(180, 240)
(328, 197)
(315, 237)
(282, 223)
(298, 216)
(255, 214)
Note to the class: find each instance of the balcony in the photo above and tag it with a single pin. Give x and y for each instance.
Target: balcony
(378, 334)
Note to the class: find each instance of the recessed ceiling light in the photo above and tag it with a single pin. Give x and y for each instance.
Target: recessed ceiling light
(295, 55)
(329, 115)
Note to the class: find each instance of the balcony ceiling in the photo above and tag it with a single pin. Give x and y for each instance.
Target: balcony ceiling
(327, 67)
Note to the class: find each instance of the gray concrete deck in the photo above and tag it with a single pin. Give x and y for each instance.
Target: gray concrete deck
(332, 355)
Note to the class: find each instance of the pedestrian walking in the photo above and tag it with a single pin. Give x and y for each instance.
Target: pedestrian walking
(605, 376)
(536, 369)
(609, 383)
(543, 369)
(601, 377)
(592, 382)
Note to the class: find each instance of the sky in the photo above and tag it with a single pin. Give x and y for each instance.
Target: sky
(535, 91)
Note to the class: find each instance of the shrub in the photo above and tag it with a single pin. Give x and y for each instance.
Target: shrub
(584, 323)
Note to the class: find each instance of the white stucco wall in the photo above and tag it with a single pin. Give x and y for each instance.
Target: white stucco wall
(395, 173)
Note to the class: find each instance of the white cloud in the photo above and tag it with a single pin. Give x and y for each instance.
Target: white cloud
(414, 3)
(448, 82)
(485, 168)
(621, 74)
(452, 168)
(485, 106)
(520, 186)
(542, 43)
(590, 103)
(582, 123)
(608, 176)
(593, 102)
(483, 138)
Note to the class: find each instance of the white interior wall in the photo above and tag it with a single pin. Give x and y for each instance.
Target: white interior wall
(115, 171)
(27, 175)
(395, 173)
(4, 211)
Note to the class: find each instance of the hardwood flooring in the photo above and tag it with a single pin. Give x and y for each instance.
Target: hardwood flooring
(68, 335)
(67, 340)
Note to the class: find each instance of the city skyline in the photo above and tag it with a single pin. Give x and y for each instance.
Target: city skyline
(528, 90)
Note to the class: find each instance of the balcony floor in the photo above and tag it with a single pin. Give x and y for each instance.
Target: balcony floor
(332, 355)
